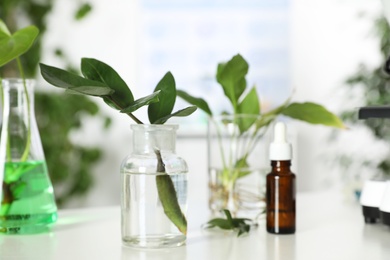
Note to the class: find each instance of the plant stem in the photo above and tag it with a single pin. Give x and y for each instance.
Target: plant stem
(28, 142)
(256, 138)
(225, 174)
(129, 114)
(8, 152)
(219, 135)
(134, 118)
(8, 197)
(238, 151)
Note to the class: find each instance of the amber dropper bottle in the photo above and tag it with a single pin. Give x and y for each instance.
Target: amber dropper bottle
(280, 194)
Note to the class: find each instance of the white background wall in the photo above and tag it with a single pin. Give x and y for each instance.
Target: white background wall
(328, 40)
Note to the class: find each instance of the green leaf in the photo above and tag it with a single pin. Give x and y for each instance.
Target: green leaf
(167, 97)
(13, 46)
(73, 92)
(18, 189)
(91, 90)
(17, 173)
(268, 117)
(4, 32)
(249, 105)
(199, 102)
(83, 11)
(243, 228)
(312, 113)
(221, 223)
(228, 215)
(99, 71)
(230, 223)
(240, 165)
(142, 102)
(237, 221)
(74, 83)
(180, 113)
(265, 120)
(231, 76)
(168, 198)
(5, 207)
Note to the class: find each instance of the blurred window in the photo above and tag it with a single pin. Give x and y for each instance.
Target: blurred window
(189, 38)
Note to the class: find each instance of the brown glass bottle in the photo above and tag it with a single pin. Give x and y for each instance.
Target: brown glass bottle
(280, 198)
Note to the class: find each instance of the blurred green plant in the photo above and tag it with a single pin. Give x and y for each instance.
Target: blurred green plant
(19, 13)
(70, 165)
(231, 76)
(375, 85)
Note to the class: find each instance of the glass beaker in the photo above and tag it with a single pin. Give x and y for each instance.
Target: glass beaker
(27, 203)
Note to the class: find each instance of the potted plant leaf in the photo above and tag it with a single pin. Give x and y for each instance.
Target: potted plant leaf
(154, 182)
(234, 136)
(27, 203)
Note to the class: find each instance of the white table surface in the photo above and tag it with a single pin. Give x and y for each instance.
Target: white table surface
(328, 227)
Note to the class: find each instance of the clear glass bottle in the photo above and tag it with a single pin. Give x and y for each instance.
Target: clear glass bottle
(27, 203)
(151, 176)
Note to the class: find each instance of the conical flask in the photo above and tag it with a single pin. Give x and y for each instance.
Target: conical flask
(27, 202)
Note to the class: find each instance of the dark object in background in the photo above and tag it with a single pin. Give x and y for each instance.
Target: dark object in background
(387, 66)
(371, 198)
(374, 112)
(376, 193)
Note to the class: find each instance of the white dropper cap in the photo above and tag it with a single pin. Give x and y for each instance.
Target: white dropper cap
(280, 149)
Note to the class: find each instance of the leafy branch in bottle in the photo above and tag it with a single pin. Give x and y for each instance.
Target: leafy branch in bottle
(101, 80)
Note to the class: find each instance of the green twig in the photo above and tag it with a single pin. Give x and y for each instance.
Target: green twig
(28, 142)
(129, 114)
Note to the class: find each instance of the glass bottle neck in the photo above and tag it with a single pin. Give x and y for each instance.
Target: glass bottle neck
(148, 138)
(281, 166)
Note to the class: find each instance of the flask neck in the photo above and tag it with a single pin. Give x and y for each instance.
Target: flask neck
(18, 98)
(19, 133)
(148, 138)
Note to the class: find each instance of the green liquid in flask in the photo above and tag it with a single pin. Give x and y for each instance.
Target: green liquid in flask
(28, 204)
